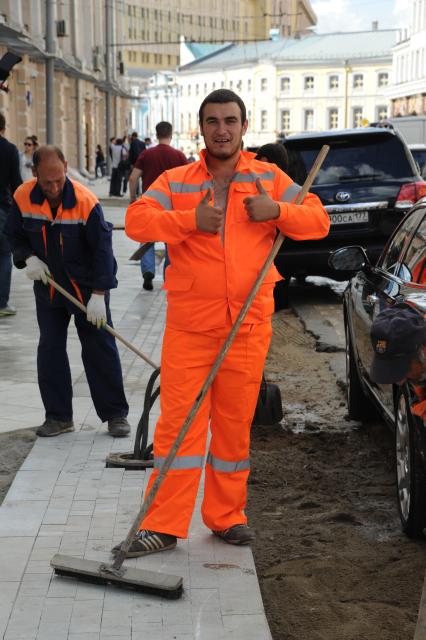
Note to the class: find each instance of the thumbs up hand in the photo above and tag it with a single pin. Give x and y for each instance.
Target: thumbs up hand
(261, 207)
(209, 219)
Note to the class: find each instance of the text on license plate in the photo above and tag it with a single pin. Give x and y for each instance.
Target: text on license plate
(350, 217)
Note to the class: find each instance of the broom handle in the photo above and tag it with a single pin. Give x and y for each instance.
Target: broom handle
(108, 328)
(213, 371)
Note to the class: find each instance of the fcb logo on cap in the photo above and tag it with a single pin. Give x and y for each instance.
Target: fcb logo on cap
(381, 346)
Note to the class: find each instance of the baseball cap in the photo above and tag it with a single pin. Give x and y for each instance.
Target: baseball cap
(396, 334)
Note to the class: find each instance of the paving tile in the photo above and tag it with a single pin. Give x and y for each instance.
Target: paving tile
(21, 518)
(14, 554)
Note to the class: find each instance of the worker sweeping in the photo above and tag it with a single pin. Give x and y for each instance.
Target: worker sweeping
(219, 217)
(56, 228)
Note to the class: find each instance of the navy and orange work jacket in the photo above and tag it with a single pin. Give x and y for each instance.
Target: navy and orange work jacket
(208, 278)
(76, 244)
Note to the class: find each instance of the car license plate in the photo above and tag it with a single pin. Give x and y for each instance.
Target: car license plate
(349, 217)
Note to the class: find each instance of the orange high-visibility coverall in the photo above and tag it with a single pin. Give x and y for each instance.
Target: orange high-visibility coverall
(207, 283)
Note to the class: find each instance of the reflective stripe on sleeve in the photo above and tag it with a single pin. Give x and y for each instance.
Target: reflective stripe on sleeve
(291, 192)
(180, 187)
(181, 462)
(252, 177)
(160, 197)
(227, 466)
(34, 216)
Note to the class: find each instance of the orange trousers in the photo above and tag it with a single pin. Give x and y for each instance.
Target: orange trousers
(229, 406)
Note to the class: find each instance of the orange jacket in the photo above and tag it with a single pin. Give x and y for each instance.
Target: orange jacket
(206, 278)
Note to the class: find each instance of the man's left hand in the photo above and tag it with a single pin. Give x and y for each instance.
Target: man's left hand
(96, 310)
(261, 208)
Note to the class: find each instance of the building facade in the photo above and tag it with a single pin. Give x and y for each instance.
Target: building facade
(330, 81)
(86, 72)
(408, 90)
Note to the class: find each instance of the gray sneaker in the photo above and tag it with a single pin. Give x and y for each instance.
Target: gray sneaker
(51, 428)
(118, 427)
(146, 542)
(8, 310)
(238, 534)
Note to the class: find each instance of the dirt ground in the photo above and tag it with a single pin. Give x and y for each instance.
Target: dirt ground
(14, 448)
(331, 558)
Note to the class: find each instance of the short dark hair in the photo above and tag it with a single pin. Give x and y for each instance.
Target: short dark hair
(45, 151)
(274, 152)
(222, 96)
(2, 122)
(134, 134)
(163, 130)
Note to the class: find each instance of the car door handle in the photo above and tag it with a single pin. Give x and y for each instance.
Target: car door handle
(372, 298)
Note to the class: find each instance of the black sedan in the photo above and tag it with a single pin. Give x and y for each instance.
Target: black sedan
(398, 276)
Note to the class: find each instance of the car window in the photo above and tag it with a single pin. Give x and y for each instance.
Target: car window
(366, 159)
(392, 252)
(419, 156)
(415, 257)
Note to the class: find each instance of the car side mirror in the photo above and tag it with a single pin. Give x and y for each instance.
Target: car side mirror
(349, 259)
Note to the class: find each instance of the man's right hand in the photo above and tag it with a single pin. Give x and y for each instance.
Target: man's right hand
(209, 219)
(37, 269)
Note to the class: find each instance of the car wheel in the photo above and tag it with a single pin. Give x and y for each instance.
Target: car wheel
(359, 405)
(410, 476)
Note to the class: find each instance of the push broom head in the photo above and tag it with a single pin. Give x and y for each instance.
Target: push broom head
(159, 584)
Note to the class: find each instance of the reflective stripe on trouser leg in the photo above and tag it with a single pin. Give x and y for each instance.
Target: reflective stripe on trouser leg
(233, 399)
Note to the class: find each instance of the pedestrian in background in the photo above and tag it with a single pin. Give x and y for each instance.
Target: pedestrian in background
(56, 227)
(148, 143)
(150, 164)
(118, 153)
(100, 164)
(220, 218)
(10, 179)
(26, 158)
(275, 153)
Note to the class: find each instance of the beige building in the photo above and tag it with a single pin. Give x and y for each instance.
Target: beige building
(81, 77)
(154, 27)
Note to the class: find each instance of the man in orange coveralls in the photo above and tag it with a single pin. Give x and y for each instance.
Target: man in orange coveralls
(219, 217)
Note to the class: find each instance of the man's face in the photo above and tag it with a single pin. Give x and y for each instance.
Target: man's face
(416, 373)
(51, 176)
(222, 129)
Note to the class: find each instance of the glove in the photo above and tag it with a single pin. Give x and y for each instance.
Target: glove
(96, 310)
(37, 269)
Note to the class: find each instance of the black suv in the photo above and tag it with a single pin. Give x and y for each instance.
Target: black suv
(367, 183)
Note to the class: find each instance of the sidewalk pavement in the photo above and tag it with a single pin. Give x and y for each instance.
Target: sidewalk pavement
(63, 499)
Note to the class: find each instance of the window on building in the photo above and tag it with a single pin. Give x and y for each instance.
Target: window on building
(239, 85)
(231, 84)
(333, 82)
(205, 87)
(381, 113)
(222, 84)
(309, 83)
(309, 119)
(249, 118)
(357, 117)
(285, 120)
(358, 81)
(189, 89)
(383, 79)
(263, 120)
(249, 84)
(333, 118)
(263, 84)
(285, 84)
(213, 86)
(197, 89)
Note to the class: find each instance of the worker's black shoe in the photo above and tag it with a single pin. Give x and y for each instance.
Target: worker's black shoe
(147, 542)
(238, 534)
(118, 427)
(148, 277)
(52, 427)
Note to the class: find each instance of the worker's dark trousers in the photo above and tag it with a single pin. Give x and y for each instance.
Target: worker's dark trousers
(100, 359)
